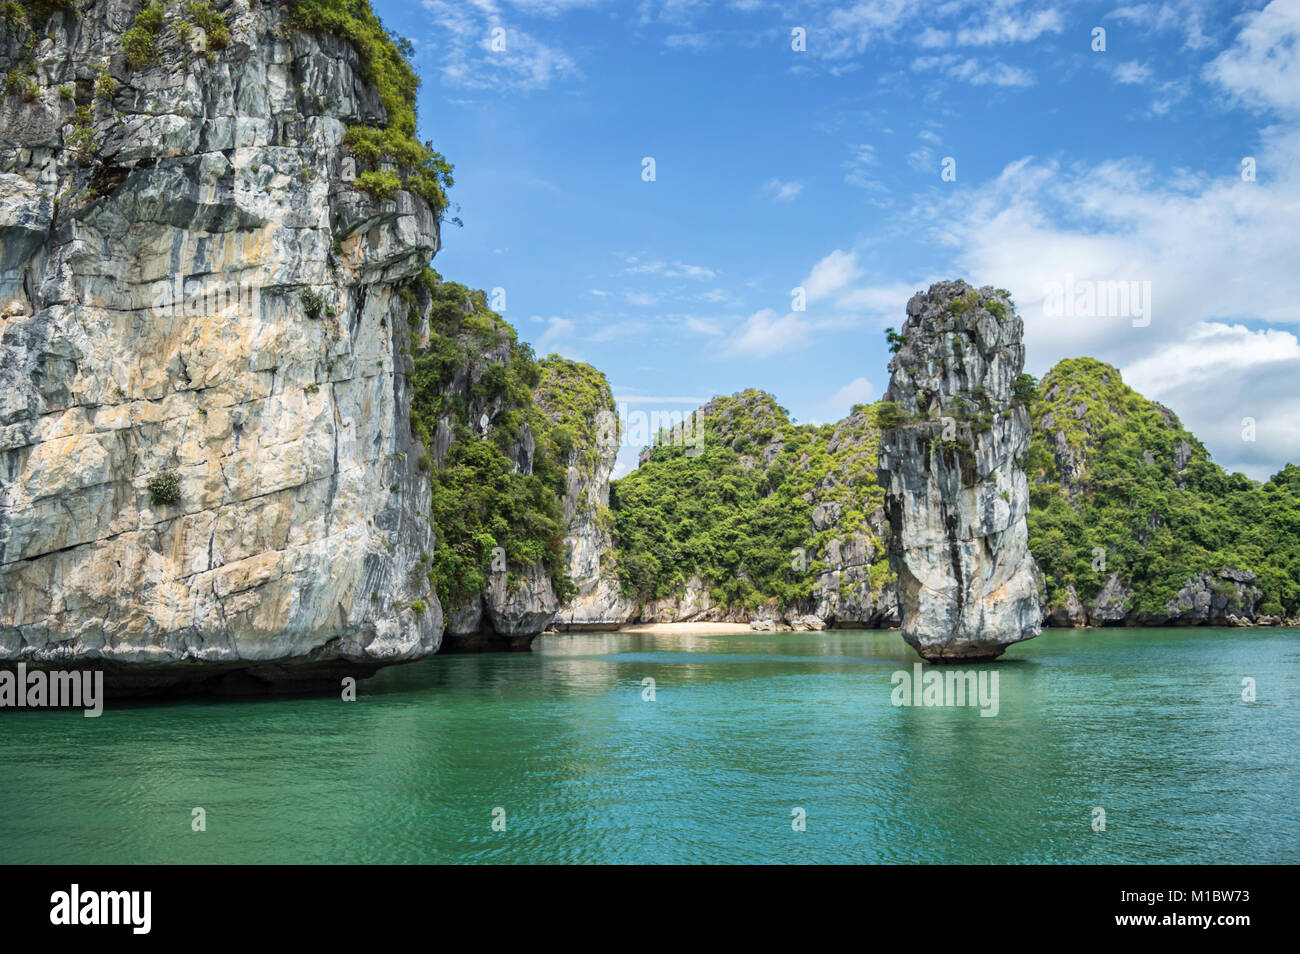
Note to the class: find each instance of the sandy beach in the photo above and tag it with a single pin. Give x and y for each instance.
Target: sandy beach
(694, 629)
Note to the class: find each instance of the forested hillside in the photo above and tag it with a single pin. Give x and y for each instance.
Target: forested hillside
(1130, 520)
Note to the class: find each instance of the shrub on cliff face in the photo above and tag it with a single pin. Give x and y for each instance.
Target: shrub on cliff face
(384, 63)
(138, 45)
(165, 488)
(379, 185)
(212, 22)
(33, 14)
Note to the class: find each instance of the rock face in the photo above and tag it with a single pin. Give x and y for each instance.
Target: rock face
(599, 603)
(272, 391)
(956, 493)
(1226, 598)
(517, 602)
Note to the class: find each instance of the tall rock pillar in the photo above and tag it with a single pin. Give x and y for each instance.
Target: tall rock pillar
(956, 494)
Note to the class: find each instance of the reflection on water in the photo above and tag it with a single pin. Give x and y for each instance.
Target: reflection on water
(1148, 724)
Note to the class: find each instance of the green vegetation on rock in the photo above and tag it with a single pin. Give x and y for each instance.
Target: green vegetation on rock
(574, 396)
(139, 42)
(385, 64)
(737, 512)
(1112, 470)
(165, 488)
(473, 365)
(1117, 486)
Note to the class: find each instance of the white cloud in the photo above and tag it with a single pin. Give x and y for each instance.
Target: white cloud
(1210, 349)
(857, 391)
(968, 69)
(1131, 72)
(1184, 16)
(1215, 250)
(1011, 27)
(922, 160)
(556, 329)
(694, 42)
(878, 300)
(863, 158)
(850, 30)
(719, 296)
(1262, 67)
(1223, 375)
(469, 61)
(766, 333)
(701, 327)
(831, 274)
(667, 269)
(932, 39)
(641, 299)
(779, 191)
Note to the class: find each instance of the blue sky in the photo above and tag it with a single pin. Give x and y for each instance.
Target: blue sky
(820, 169)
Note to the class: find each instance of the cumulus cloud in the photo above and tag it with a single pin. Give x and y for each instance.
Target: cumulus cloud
(857, 391)
(766, 332)
(831, 274)
(1234, 387)
(1262, 67)
(1214, 249)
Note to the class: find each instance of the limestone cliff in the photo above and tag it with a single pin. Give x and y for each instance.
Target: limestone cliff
(577, 398)
(207, 465)
(495, 487)
(956, 492)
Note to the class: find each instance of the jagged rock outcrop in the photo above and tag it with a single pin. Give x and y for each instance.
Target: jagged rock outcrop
(956, 493)
(1226, 598)
(579, 397)
(267, 405)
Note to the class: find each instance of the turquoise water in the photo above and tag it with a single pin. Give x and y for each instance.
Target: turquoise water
(1147, 724)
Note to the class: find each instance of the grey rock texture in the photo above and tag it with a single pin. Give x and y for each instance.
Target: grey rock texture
(956, 495)
(293, 547)
(1226, 598)
(599, 603)
(1113, 603)
(1071, 613)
